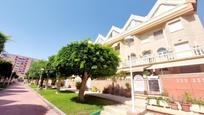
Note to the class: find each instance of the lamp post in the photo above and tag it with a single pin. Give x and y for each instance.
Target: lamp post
(130, 40)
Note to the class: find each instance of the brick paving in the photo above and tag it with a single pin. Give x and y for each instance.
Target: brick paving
(19, 100)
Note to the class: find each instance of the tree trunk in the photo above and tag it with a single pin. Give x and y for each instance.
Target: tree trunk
(46, 83)
(83, 87)
(53, 82)
(37, 82)
(4, 81)
(41, 82)
(58, 84)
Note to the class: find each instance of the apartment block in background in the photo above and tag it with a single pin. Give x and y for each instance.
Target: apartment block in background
(21, 64)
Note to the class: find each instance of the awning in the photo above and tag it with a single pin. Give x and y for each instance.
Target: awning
(134, 69)
(178, 63)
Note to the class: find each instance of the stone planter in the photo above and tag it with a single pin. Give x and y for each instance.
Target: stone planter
(163, 103)
(152, 102)
(197, 108)
(173, 106)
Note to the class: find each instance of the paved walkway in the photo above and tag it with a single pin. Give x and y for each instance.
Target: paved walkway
(19, 100)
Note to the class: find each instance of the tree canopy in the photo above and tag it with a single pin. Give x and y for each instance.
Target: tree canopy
(35, 69)
(3, 39)
(5, 68)
(86, 60)
(50, 68)
(80, 57)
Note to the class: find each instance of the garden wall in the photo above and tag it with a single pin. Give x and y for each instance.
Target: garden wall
(101, 84)
(176, 85)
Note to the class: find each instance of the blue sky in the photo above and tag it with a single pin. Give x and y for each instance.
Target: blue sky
(39, 28)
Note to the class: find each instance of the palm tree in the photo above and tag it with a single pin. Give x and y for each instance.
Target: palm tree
(3, 39)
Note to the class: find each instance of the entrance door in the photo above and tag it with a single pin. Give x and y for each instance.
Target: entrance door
(183, 50)
(139, 84)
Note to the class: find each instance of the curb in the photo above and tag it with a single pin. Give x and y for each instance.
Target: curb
(50, 105)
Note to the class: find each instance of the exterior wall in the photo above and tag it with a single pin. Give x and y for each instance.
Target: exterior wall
(100, 84)
(192, 33)
(177, 84)
(153, 43)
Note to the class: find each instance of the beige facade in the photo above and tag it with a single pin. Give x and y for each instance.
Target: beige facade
(171, 32)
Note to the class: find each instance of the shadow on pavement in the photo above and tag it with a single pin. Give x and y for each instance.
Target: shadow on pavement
(11, 92)
(4, 102)
(23, 109)
(16, 91)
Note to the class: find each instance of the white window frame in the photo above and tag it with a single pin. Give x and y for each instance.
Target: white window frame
(175, 25)
(157, 35)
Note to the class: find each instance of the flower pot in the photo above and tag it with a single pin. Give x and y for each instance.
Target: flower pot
(197, 108)
(127, 94)
(173, 106)
(201, 108)
(186, 107)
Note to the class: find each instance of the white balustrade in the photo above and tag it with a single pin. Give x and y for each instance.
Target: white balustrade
(170, 56)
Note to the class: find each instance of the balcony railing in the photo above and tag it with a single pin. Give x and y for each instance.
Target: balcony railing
(165, 57)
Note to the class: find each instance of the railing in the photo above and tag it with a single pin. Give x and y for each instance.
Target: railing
(170, 56)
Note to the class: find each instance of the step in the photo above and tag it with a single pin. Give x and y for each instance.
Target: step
(105, 113)
(139, 103)
(116, 110)
(141, 96)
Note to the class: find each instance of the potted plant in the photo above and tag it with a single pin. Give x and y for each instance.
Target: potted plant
(186, 102)
(152, 100)
(127, 91)
(163, 102)
(197, 105)
(172, 103)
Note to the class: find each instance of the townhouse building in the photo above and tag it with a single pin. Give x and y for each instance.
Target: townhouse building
(168, 43)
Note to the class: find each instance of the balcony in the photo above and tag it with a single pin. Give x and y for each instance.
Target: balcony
(194, 52)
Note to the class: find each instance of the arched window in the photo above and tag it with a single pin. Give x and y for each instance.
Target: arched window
(162, 51)
(147, 53)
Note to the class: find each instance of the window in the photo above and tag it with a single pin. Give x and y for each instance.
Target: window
(117, 47)
(145, 40)
(175, 26)
(158, 34)
(162, 51)
(183, 50)
(133, 56)
(146, 53)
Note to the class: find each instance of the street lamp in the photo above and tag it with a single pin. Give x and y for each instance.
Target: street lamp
(129, 40)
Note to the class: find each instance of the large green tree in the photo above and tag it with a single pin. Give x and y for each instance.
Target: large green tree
(50, 69)
(37, 70)
(5, 70)
(3, 39)
(86, 60)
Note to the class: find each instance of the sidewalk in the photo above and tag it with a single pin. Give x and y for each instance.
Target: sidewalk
(19, 100)
(123, 107)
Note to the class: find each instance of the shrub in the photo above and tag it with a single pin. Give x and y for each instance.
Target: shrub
(94, 89)
(187, 98)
